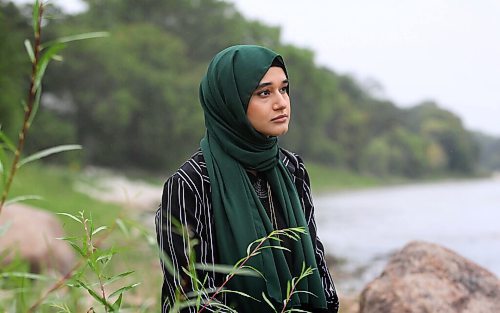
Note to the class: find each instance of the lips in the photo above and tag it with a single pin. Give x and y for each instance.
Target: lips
(280, 118)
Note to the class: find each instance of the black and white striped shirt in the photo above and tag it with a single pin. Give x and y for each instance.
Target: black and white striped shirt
(187, 199)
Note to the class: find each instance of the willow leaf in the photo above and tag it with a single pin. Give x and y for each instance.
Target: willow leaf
(47, 152)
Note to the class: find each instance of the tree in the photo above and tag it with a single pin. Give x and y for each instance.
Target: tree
(14, 66)
(134, 100)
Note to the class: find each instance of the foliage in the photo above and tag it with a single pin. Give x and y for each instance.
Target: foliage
(489, 156)
(17, 280)
(14, 66)
(135, 95)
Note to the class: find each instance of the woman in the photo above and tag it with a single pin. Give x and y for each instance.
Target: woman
(239, 187)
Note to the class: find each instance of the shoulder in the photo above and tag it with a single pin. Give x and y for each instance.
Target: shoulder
(294, 163)
(192, 175)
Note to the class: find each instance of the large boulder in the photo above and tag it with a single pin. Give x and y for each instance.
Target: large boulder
(31, 234)
(425, 277)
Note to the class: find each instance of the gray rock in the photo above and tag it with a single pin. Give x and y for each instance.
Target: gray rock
(425, 277)
(31, 234)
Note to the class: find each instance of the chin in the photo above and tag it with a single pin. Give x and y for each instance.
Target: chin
(279, 132)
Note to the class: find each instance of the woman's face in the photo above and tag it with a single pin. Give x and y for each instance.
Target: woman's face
(269, 107)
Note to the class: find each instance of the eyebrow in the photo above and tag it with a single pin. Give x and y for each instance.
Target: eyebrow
(285, 81)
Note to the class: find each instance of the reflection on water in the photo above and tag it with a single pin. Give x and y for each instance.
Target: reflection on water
(364, 227)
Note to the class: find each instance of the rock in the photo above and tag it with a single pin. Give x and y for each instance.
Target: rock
(425, 277)
(31, 234)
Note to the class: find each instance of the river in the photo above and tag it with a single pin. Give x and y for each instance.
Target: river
(365, 227)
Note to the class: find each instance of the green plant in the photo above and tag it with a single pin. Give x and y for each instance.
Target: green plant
(97, 261)
(200, 293)
(40, 55)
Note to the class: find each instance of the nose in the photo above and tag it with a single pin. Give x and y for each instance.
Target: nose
(281, 101)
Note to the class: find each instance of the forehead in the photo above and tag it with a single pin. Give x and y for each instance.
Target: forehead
(273, 74)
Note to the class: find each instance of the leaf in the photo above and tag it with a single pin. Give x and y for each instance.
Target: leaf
(221, 307)
(116, 277)
(99, 229)
(44, 61)
(77, 248)
(62, 307)
(7, 141)
(36, 105)
(47, 152)
(297, 310)
(274, 247)
(184, 304)
(117, 304)
(239, 293)
(94, 294)
(78, 37)
(122, 227)
(4, 171)
(305, 291)
(23, 198)
(23, 275)
(71, 239)
(151, 240)
(29, 49)
(268, 302)
(203, 292)
(105, 258)
(167, 263)
(70, 216)
(123, 289)
(256, 271)
(225, 269)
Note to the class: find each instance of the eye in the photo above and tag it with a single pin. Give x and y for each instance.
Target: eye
(264, 92)
(284, 90)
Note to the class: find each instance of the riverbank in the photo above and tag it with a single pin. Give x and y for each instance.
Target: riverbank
(329, 180)
(107, 195)
(363, 228)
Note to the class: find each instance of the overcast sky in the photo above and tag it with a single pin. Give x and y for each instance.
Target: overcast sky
(446, 50)
(443, 50)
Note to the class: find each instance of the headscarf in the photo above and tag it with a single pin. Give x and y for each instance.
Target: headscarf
(231, 145)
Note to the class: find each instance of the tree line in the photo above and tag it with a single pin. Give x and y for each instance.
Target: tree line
(131, 99)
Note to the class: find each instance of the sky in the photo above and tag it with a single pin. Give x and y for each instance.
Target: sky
(442, 50)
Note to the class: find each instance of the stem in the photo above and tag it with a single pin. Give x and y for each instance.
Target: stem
(91, 252)
(230, 276)
(103, 294)
(60, 283)
(289, 297)
(28, 109)
(55, 286)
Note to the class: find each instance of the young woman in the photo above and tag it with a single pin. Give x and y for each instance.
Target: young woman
(239, 187)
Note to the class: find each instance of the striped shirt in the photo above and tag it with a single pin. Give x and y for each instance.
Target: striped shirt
(187, 199)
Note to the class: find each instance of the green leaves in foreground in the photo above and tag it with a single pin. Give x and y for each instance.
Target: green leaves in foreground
(95, 262)
(46, 152)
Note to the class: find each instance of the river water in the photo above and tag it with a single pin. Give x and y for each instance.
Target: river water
(365, 227)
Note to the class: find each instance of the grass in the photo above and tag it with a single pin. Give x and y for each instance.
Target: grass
(56, 185)
(328, 179)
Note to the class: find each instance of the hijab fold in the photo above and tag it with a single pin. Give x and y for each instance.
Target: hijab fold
(231, 145)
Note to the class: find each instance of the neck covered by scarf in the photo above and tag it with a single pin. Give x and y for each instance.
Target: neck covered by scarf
(232, 145)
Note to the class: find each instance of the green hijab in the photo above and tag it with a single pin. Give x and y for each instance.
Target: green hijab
(232, 145)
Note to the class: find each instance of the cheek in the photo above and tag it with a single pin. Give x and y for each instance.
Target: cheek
(253, 114)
